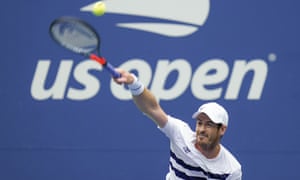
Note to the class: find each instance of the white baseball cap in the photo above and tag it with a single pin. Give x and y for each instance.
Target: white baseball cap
(214, 111)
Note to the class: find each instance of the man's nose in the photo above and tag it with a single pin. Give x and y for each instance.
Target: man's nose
(201, 128)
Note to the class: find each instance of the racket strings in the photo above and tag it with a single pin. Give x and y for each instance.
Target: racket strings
(75, 36)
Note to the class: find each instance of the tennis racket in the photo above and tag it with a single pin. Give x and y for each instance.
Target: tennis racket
(80, 37)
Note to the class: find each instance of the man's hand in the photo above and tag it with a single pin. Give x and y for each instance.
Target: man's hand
(126, 77)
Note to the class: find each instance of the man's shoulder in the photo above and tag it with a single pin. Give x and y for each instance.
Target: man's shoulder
(177, 129)
(230, 158)
(178, 123)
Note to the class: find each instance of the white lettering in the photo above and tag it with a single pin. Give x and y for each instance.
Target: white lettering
(240, 70)
(58, 88)
(90, 83)
(210, 81)
(210, 73)
(163, 70)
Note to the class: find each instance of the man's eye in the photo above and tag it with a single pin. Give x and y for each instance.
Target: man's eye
(210, 124)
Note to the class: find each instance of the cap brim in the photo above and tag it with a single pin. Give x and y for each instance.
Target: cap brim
(194, 116)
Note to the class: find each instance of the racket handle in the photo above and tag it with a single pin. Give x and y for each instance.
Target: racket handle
(111, 70)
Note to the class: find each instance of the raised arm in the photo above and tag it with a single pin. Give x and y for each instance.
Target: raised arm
(143, 99)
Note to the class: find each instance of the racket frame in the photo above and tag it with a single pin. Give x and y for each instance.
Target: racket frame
(93, 56)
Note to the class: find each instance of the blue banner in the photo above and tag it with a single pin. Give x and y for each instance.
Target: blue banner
(62, 116)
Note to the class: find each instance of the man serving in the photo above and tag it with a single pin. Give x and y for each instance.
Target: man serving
(195, 155)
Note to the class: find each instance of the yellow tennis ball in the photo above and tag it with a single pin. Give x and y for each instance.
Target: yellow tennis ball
(99, 8)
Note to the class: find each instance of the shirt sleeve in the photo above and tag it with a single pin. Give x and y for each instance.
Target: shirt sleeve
(174, 127)
(237, 175)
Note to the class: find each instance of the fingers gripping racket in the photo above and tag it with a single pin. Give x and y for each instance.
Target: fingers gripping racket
(80, 37)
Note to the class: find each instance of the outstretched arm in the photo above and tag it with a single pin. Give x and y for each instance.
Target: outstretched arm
(144, 99)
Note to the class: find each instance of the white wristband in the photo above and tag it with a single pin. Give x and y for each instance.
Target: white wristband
(136, 88)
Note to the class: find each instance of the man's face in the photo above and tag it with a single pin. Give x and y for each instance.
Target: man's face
(208, 134)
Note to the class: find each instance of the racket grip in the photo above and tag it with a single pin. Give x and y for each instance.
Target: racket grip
(111, 69)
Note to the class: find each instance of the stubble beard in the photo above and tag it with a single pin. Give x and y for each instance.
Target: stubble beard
(207, 144)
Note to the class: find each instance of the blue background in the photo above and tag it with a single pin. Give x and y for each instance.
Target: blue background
(106, 138)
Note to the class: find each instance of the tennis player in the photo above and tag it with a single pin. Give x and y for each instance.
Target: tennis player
(195, 155)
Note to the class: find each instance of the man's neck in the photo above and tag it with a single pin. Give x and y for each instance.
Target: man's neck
(209, 152)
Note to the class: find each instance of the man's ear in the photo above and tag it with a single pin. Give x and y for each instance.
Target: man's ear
(222, 130)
